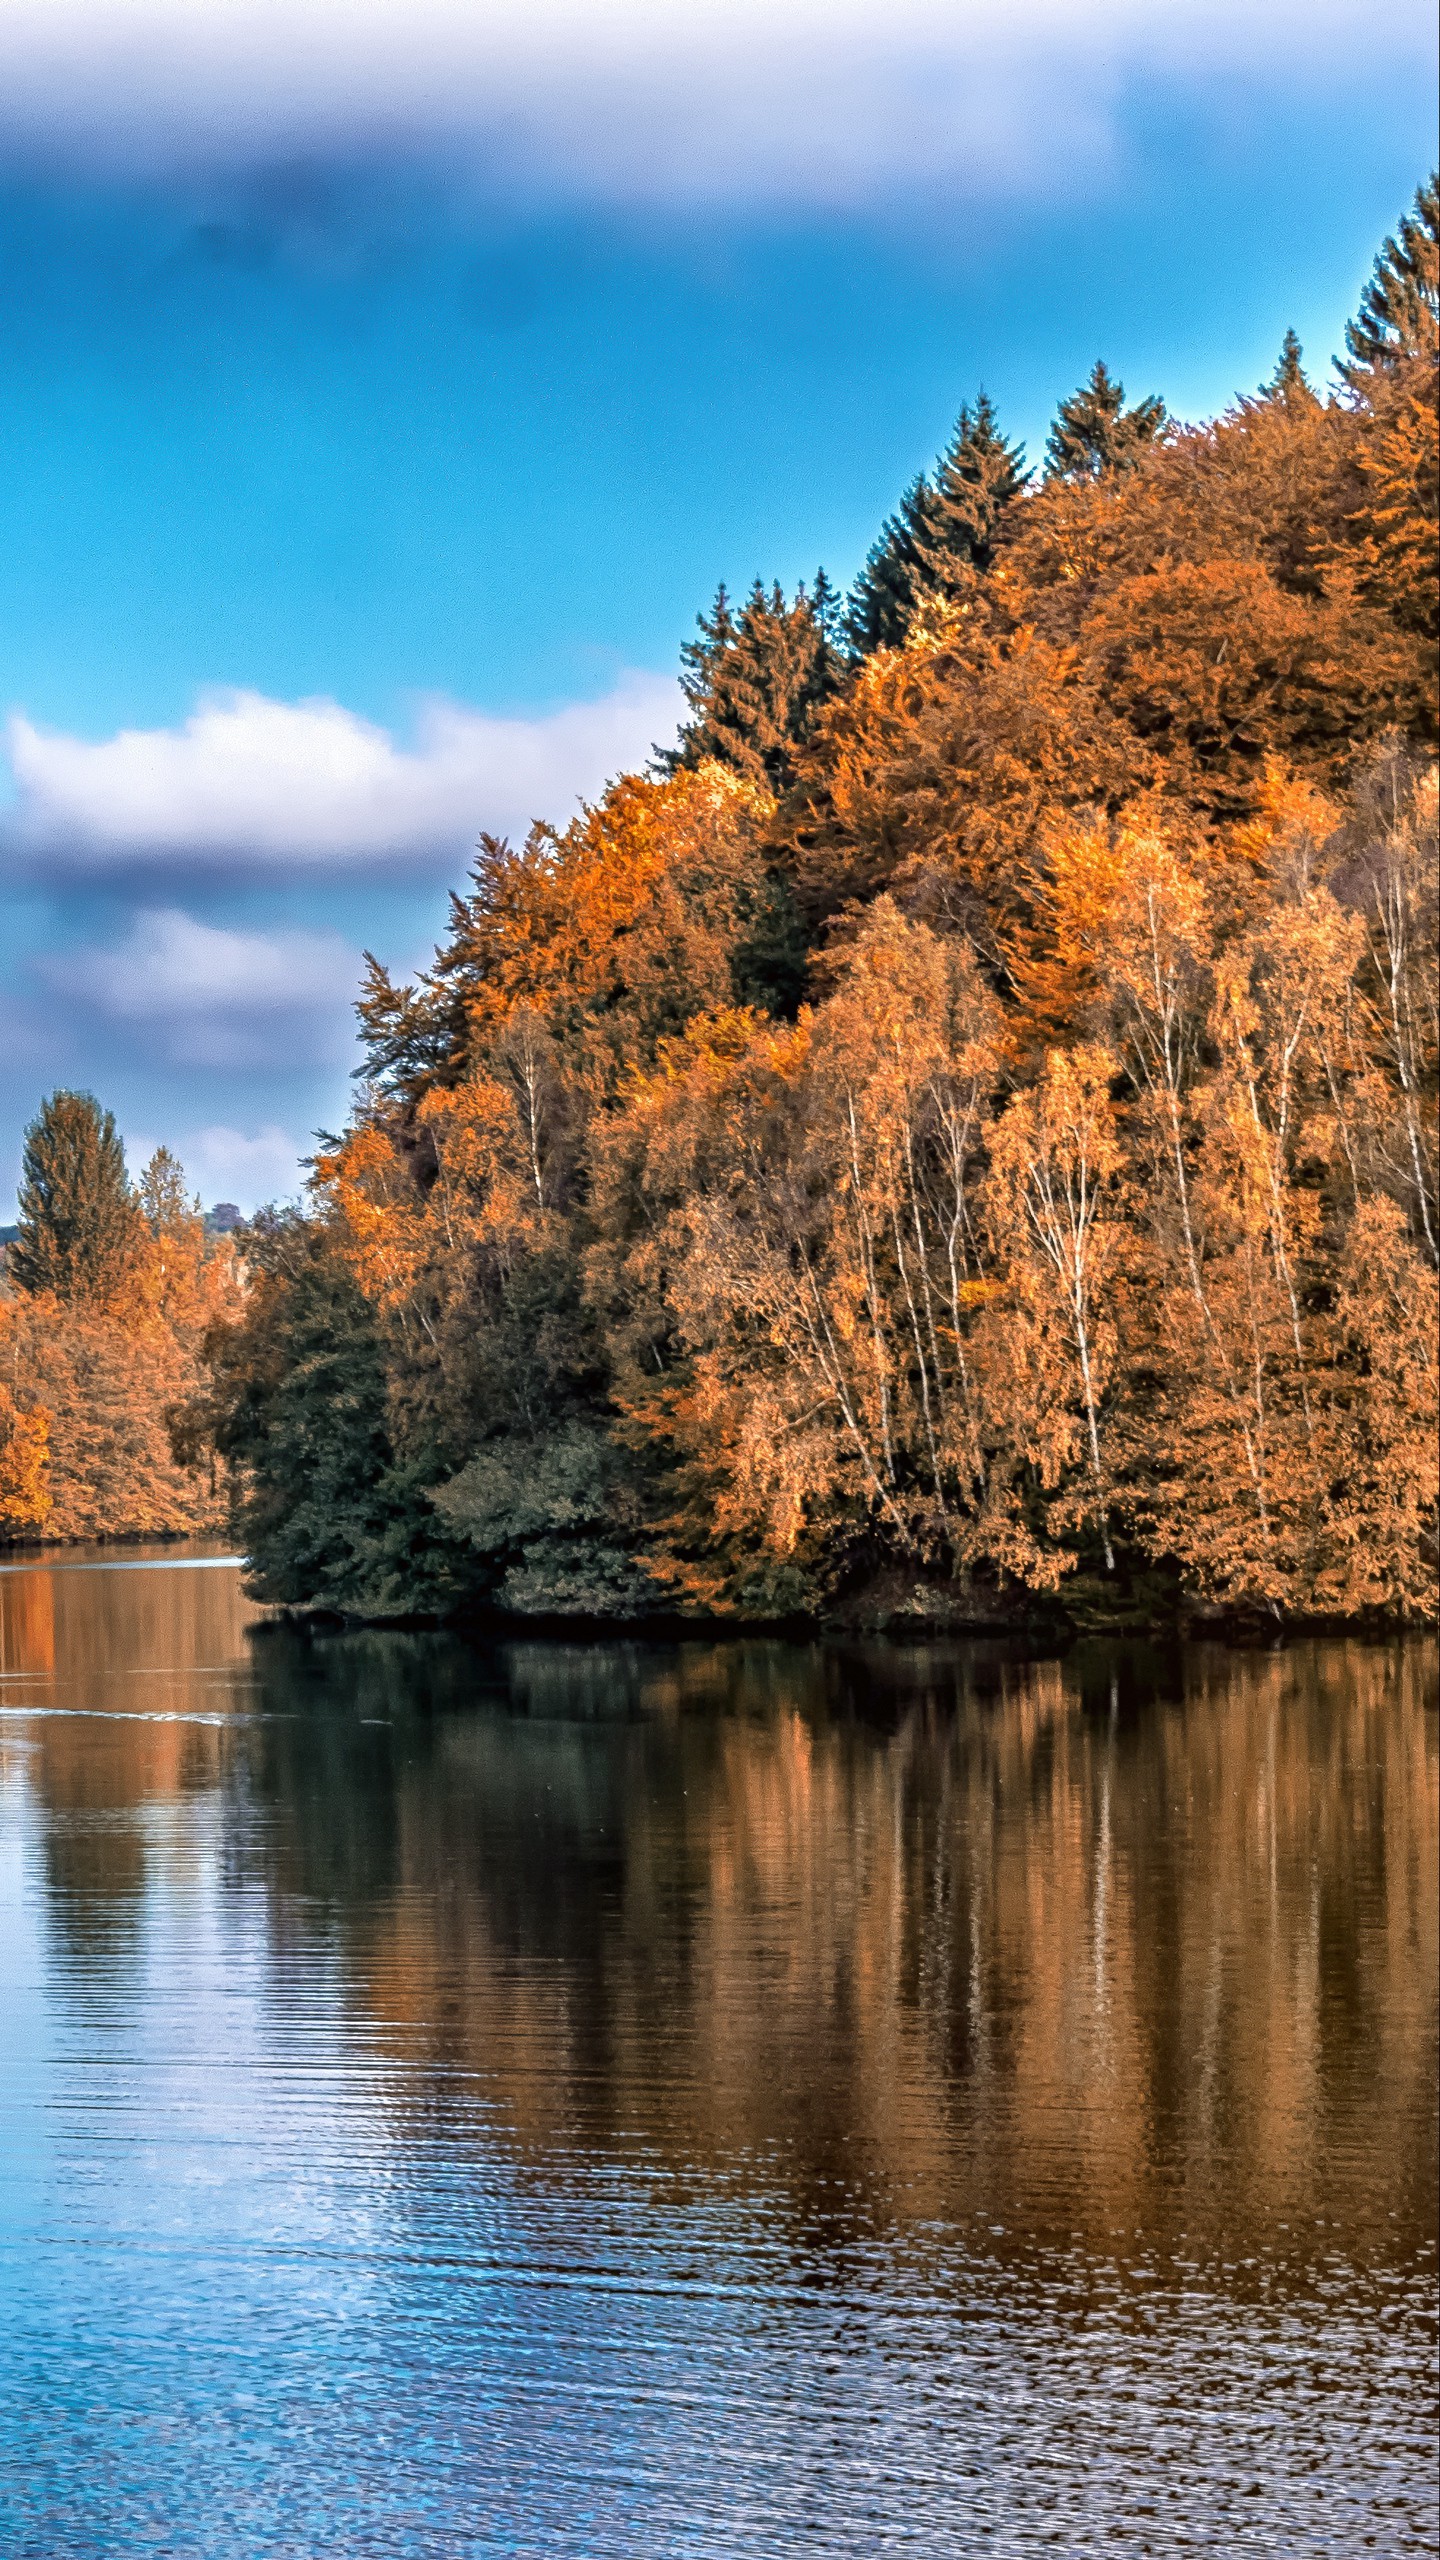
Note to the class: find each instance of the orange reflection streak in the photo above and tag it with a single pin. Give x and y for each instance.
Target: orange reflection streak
(1091, 1970)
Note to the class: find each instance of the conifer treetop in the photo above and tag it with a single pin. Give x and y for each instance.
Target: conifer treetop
(1399, 314)
(977, 477)
(79, 1222)
(1289, 382)
(164, 1197)
(1094, 433)
(946, 525)
(883, 597)
(754, 680)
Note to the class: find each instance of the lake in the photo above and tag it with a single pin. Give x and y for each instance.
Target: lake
(640, 2098)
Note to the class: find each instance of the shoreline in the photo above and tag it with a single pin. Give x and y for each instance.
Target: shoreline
(925, 1615)
(1054, 1631)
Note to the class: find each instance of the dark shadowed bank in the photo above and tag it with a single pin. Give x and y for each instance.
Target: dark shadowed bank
(955, 1143)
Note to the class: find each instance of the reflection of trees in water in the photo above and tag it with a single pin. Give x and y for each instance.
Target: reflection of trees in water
(1066, 1940)
(122, 1661)
(1106, 1943)
(27, 1625)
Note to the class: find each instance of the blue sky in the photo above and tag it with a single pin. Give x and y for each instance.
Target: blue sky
(383, 390)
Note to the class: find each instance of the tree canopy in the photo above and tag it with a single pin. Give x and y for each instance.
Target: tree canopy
(958, 1135)
(110, 1293)
(947, 526)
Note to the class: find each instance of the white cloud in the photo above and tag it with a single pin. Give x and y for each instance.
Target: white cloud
(258, 783)
(659, 101)
(233, 1164)
(206, 995)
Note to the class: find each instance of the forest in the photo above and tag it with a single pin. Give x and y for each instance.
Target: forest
(954, 1140)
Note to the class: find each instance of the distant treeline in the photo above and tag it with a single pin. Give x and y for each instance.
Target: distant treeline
(964, 1123)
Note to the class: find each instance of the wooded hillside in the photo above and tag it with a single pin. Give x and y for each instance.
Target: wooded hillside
(963, 1124)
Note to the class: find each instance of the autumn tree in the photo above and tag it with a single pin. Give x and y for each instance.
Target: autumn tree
(106, 1352)
(966, 1125)
(1386, 870)
(794, 1270)
(931, 778)
(109, 1389)
(25, 1498)
(166, 1202)
(1392, 526)
(652, 905)
(1056, 1159)
(1383, 1547)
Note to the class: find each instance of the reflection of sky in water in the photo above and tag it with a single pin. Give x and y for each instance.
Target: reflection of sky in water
(629, 2102)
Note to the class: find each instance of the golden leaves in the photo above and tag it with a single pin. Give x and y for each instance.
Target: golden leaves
(25, 1497)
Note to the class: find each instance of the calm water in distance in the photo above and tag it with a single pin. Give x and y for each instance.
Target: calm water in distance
(639, 2099)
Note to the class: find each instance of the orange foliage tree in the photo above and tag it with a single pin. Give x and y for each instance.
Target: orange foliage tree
(98, 1368)
(25, 1498)
(1004, 1157)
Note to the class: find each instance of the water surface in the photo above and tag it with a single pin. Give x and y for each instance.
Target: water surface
(707, 2099)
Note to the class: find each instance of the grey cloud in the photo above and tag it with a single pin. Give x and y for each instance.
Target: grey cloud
(204, 995)
(822, 102)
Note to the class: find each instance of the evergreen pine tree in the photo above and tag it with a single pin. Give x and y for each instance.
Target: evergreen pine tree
(977, 477)
(1288, 383)
(80, 1223)
(412, 1036)
(882, 601)
(1094, 433)
(1399, 312)
(754, 681)
(947, 522)
(701, 660)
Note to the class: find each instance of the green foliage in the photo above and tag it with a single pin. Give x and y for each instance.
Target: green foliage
(883, 599)
(1095, 435)
(1289, 383)
(411, 1036)
(755, 680)
(555, 1523)
(79, 1222)
(1399, 314)
(300, 1403)
(770, 962)
(973, 486)
(946, 528)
